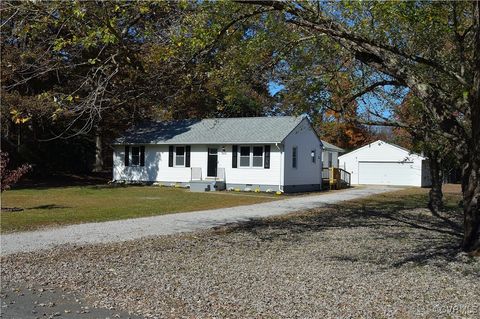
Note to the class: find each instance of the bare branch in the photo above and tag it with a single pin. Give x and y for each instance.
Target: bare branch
(372, 87)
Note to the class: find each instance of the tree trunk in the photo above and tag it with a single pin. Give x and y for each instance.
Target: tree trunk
(435, 203)
(471, 169)
(471, 204)
(98, 166)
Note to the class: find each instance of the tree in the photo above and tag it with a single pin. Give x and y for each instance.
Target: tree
(431, 49)
(437, 148)
(348, 135)
(80, 73)
(80, 60)
(308, 88)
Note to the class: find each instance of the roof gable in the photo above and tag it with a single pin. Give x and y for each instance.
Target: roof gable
(380, 143)
(331, 147)
(213, 131)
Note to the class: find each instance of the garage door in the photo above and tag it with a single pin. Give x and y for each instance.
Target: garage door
(386, 173)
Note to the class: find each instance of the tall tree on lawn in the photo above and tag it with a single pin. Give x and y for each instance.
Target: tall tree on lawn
(431, 49)
(81, 72)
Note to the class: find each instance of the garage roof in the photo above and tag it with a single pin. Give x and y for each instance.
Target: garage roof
(383, 142)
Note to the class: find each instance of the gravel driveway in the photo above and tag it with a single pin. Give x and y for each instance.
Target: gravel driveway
(324, 263)
(121, 230)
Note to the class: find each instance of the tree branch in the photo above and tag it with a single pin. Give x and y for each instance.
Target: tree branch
(372, 87)
(328, 26)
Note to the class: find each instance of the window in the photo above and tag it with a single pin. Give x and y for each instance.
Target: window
(330, 161)
(251, 156)
(294, 157)
(314, 156)
(180, 156)
(135, 155)
(244, 156)
(257, 160)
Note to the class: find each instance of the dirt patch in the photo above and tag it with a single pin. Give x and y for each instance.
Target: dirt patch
(452, 188)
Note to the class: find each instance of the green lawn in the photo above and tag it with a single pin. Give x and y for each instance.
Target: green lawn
(72, 205)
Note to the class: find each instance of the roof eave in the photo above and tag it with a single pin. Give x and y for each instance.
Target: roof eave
(193, 143)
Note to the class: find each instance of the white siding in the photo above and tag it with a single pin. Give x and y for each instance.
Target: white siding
(383, 163)
(250, 175)
(156, 166)
(305, 140)
(334, 158)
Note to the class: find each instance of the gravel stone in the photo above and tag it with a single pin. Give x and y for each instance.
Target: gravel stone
(129, 229)
(323, 263)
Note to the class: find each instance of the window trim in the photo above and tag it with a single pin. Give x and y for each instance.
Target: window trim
(175, 156)
(250, 156)
(240, 156)
(261, 156)
(131, 156)
(314, 157)
(295, 157)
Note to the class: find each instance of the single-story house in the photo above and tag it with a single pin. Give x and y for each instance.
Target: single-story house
(281, 153)
(382, 163)
(330, 154)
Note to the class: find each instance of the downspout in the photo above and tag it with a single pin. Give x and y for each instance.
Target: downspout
(280, 180)
(322, 147)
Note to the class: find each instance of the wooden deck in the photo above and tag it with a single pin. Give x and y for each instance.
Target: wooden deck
(335, 178)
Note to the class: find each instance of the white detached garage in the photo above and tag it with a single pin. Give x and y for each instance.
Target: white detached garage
(382, 163)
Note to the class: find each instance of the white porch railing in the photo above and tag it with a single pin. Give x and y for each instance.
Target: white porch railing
(196, 174)
(220, 174)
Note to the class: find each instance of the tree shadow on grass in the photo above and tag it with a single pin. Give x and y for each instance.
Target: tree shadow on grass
(49, 206)
(415, 236)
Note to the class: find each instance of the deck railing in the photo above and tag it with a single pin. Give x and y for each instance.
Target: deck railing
(325, 173)
(335, 177)
(345, 176)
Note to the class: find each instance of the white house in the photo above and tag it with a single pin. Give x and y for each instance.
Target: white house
(330, 154)
(383, 163)
(266, 153)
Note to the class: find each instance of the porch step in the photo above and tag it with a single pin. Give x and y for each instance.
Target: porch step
(207, 186)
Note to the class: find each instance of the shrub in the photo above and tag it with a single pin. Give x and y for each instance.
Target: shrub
(10, 177)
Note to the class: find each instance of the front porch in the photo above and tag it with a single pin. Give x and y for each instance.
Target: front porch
(199, 183)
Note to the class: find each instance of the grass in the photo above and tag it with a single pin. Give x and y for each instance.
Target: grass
(73, 205)
(390, 202)
(409, 198)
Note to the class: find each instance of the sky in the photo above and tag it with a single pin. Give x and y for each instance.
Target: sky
(274, 88)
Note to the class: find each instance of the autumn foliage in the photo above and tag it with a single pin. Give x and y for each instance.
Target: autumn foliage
(338, 125)
(10, 177)
(337, 130)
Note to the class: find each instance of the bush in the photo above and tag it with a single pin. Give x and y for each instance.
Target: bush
(10, 177)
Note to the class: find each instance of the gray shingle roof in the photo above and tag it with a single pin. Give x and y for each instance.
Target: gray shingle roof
(332, 147)
(213, 131)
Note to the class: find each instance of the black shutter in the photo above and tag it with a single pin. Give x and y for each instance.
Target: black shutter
(142, 155)
(267, 157)
(234, 156)
(127, 155)
(170, 156)
(187, 156)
